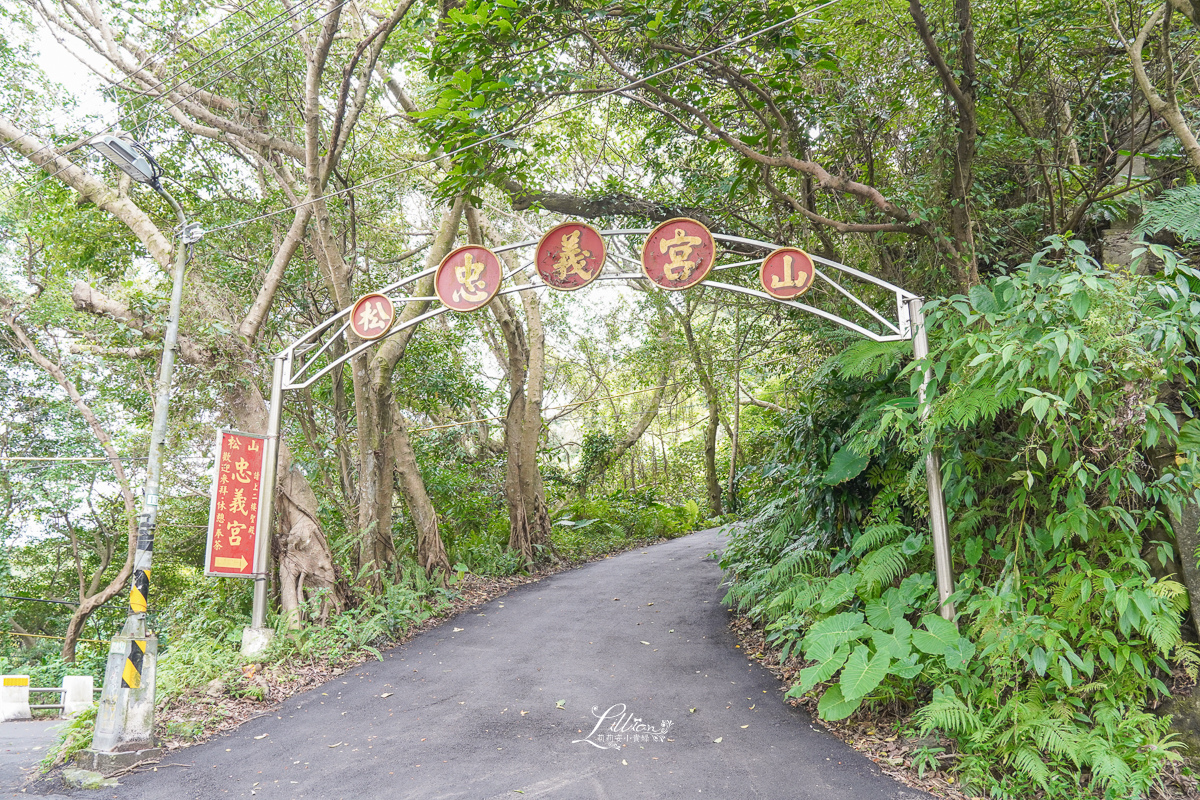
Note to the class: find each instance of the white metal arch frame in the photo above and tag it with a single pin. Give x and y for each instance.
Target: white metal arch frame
(305, 361)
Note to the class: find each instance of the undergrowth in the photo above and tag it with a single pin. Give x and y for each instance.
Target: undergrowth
(1062, 405)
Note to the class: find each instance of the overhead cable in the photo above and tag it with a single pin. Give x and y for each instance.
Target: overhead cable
(530, 124)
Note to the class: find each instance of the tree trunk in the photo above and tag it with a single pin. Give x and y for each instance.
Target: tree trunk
(737, 410)
(302, 552)
(431, 552)
(533, 492)
(711, 481)
(961, 84)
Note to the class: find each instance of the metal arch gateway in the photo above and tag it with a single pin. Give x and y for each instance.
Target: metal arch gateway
(305, 361)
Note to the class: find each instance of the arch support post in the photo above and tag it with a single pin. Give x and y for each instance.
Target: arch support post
(939, 522)
(257, 637)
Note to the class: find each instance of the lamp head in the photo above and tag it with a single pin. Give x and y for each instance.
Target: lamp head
(129, 157)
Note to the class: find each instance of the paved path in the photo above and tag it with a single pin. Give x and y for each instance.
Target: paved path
(471, 712)
(22, 746)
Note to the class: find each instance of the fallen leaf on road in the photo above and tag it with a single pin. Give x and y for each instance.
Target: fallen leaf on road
(456, 630)
(523, 713)
(263, 736)
(561, 704)
(339, 744)
(745, 726)
(645, 643)
(387, 694)
(623, 761)
(649, 604)
(718, 740)
(691, 711)
(616, 598)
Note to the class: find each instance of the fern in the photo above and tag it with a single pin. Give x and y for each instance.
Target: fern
(881, 567)
(1027, 760)
(948, 713)
(870, 359)
(877, 535)
(1175, 210)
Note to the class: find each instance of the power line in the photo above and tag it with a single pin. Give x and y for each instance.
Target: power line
(527, 125)
(290, 14)
(153, 56)
(269, 47)
(70, 458)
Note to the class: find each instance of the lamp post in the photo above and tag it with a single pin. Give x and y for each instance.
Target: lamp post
(125, 718)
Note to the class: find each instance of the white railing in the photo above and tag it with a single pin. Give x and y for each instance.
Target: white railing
(76, 694)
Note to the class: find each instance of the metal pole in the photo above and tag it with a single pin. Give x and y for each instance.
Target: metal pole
(124, 731)
(939, 522)
(256, 638)
(139, 592)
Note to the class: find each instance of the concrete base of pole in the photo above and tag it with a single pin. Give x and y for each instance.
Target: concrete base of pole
(108, 763)
(255, 641)
(125, 718)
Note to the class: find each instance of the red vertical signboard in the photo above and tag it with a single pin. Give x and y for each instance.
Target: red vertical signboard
(233, 516)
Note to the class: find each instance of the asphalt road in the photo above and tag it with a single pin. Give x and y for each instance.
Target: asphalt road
(471, 708)
(22, 745)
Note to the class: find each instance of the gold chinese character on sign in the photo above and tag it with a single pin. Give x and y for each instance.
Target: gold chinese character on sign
(790, 279)
(234, 531)
(572, 259)
(253, 446)
(241, 472)
(234, 443)
(472, 288)
(372, 317)
(238, 503)
(680, 267)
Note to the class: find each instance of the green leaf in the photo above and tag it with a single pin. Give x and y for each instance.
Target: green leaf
(845, 464)
(959, 654)
(908, 668)
(1080, 303)
(1189, 436)
(973, 550)
(819, 673)
(1041, 660)
(834, 706)
(839, 590)
(938, 636)
(983, 300)
(864, 672)
(885, 612)
(825, 637)
(897, 644)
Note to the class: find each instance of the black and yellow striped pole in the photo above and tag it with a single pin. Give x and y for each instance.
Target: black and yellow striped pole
(125, 717)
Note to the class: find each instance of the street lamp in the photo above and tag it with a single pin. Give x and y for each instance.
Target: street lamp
(125, 718)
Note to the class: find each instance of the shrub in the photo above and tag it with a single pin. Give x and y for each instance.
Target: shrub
(1057, 389)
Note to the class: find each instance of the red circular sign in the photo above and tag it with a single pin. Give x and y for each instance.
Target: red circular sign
(678, 254)
(570, 256)
(786, 273)
(372, 316)
(468, 278)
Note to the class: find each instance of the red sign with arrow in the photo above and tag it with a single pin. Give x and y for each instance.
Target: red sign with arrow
(233, 516)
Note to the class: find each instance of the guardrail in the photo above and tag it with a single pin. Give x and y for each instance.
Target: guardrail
(77, 693)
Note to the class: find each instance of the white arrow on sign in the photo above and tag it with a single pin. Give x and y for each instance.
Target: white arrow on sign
(238, 563)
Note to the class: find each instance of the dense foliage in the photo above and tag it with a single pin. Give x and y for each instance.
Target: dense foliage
(1061, 391)
(329, 149)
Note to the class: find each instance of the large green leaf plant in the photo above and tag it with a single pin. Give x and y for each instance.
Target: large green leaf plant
(1060, 392)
